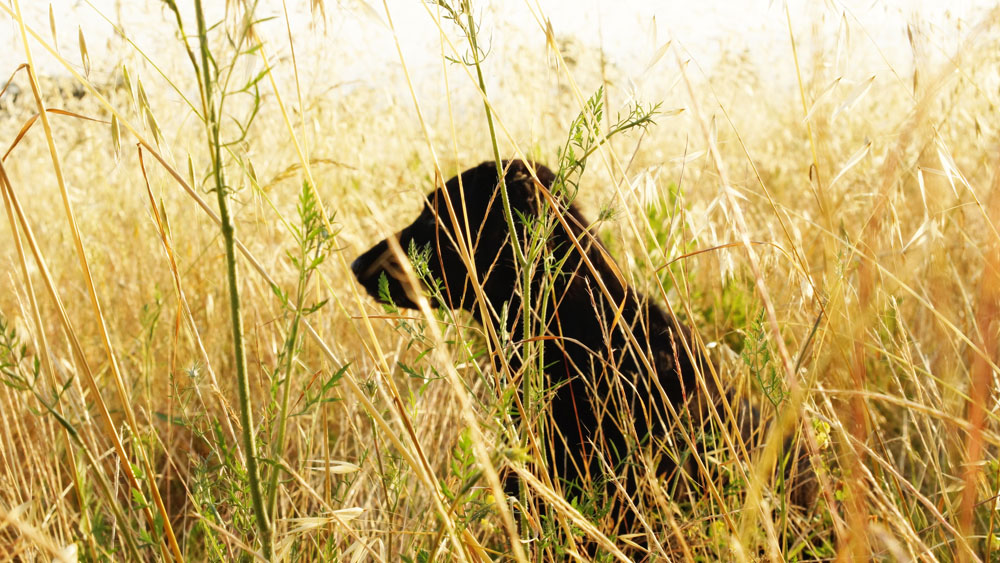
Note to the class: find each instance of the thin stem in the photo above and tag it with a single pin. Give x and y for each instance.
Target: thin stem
(518, 252)
(279, 442)
(228, 235)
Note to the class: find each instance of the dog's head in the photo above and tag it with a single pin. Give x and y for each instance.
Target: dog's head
(466, 213)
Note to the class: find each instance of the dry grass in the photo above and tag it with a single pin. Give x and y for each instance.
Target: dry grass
(859, 247)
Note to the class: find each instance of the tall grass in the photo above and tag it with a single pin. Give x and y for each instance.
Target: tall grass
(836, 246)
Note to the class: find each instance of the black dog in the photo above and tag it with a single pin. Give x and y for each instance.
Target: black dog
(616, 364)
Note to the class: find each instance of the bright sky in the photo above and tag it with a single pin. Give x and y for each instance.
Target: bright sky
(356, 39)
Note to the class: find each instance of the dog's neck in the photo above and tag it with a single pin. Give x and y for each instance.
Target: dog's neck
(585, 305)
(571, 309)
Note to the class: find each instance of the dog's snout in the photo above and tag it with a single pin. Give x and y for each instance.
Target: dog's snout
(356, 266)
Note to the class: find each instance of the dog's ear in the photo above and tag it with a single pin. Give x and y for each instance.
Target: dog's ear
(545, 176)
(518, 170)
(521, 186)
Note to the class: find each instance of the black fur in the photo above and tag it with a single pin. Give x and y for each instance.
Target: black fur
(599, 344)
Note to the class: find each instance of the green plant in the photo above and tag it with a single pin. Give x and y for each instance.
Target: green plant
(313, 243)
(757, 357)
(207, 71)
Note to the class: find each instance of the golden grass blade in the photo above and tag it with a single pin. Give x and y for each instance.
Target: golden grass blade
(738, 224)
(822, 97)
(127, 83)
(662, 50)
(123, 395)
(851, 162)
(42, 341)
(818, 191)
(143, 100)
(31, 121)
(856, 94)
(153, 126)
(233, 540)
(335, 514)
(38, 538)
(84, 54)
(982, 392)
(556, 501)
(10, 80)
(105, 416)
(159, 218)
(20, 134)
(52, 27)
(116, 138)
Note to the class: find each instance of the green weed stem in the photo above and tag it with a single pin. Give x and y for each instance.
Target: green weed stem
(228, 235)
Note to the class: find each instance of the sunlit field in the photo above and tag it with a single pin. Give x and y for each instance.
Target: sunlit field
(824, 215)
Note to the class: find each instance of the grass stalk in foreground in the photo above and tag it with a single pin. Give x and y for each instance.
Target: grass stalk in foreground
(228, 234)
(112, 433)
